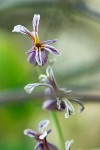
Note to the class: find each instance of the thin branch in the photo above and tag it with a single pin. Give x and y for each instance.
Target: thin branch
(19, 95)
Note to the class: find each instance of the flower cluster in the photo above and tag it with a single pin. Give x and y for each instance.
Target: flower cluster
(56, 98)
(40, 137)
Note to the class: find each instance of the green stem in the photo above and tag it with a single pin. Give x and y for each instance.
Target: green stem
(38, 70)
(57, 127)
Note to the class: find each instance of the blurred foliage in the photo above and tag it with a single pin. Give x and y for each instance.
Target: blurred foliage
(76, 25)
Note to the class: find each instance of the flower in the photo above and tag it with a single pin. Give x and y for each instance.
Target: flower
(68, 144)
(40, 136)
(38, 54)
(56, 98)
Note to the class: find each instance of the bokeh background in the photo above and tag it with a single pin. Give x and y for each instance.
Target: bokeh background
(76, 25)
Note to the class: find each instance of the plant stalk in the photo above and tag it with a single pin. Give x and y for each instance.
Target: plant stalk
(57, 127)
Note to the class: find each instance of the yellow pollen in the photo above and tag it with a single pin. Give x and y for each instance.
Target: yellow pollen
(37, 41)
(38, 44)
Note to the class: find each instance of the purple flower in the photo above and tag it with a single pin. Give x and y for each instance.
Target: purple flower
(56, 98)
(38, 54)
(40, 136)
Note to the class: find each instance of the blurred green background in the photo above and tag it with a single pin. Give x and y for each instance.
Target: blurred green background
(76, 25)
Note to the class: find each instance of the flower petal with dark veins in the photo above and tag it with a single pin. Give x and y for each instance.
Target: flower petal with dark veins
(30, 87)
(31, 57)
(49, 41)
(43, 124)
(21, 29)
(30, 133)
(51, 49)
(44, 55)
(38, 57)
(35, 22)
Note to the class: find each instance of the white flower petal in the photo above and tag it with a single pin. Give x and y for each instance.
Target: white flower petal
(58, 104)
(29, 132)
(44, 55)
(38, 57)
(30, 87)
(69, 108)
(49, 71)
(49, 41)
(42, 77)
(68, 144)
(35, 22)
(51, 49)
(31, 58)
(43, 124)
(67, 114)
(21, 29)
(50, 74)
(42, 136)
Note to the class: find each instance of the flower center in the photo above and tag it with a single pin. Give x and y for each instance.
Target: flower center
(36, 39)
(62, 104)
(38, 45)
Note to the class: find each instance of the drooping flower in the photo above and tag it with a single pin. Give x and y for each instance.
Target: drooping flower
(56, 98)
(40, 136)
(38, 54)
(68, 144)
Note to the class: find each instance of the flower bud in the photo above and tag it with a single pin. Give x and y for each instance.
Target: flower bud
(50, 104)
